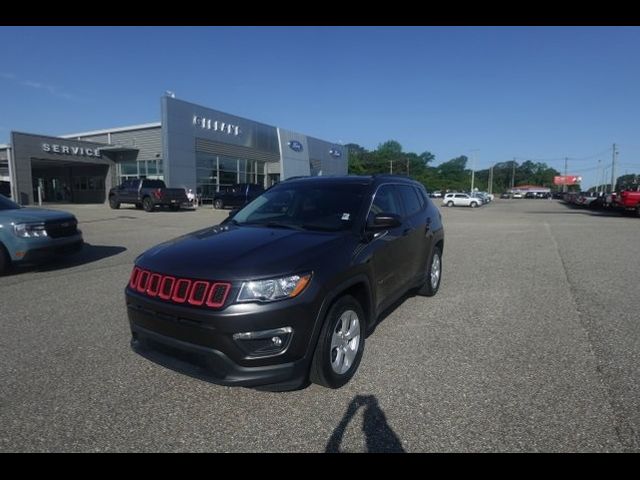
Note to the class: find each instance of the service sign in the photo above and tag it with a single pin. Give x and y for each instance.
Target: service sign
(567, 180)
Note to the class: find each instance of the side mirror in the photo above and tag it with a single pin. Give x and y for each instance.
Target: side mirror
(384, 221)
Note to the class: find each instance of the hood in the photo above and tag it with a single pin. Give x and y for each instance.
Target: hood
(22, 215)
(238, 252)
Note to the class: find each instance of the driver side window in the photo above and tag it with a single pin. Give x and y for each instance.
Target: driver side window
(386, 201)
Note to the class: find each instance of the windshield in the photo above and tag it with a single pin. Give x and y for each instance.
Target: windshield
(322, 207)
(6, 204)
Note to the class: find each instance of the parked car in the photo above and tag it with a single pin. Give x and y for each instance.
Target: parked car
(436, 194)
(517, 195)
(29, 235)
(460, 200)
(147, 194)
(505, 195)
(584, 199)
(628, 200)
(483, 197)
(237, 195)
(286, 289)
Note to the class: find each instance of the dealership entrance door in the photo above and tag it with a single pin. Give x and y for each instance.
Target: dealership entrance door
(68, 182)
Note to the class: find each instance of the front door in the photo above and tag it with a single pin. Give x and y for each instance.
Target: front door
(389, 247)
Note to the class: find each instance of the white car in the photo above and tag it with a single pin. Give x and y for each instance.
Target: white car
(460, 200)
(517, 195)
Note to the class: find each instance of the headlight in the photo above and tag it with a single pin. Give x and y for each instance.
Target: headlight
(29, 230)
(273, 289)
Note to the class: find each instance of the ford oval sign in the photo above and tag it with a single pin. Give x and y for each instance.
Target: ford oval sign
(334, 152)
(295, 145)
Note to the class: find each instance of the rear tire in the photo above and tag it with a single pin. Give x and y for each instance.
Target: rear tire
(218, 204)
(147, 204)
(340, 344)
(114, 203)
(434, 274)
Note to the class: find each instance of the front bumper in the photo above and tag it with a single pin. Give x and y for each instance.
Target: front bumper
(200, 342)
(29, 250)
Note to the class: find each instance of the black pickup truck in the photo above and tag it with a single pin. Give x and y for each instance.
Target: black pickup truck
(147, 194)
(237, 195)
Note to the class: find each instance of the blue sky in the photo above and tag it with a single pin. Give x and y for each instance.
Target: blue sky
(539, 93)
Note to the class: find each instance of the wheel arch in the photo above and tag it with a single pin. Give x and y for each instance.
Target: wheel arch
(358, 287)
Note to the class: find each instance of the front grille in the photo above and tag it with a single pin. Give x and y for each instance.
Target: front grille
(197, 293)
(61, 228)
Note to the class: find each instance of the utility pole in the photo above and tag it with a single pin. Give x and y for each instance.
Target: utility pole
(613, 168)
(599, 175)
(490, 185)
(391, 167)
(513, 173)
(564, 187)
(473, 168)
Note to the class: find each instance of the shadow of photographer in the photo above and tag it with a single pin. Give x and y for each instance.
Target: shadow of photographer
(378, 434)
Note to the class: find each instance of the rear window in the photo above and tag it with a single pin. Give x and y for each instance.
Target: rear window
(153, 184)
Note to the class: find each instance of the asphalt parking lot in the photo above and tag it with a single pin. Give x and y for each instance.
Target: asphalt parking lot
(532, 344)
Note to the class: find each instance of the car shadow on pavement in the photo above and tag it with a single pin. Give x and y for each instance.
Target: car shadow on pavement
(379, 436)
(89, 253)
(390, 309)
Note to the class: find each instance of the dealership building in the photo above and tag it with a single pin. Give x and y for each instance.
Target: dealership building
(192, 147)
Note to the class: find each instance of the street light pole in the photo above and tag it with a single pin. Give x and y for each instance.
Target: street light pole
(473, 168)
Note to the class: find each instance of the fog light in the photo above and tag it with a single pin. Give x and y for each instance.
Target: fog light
(264, 343)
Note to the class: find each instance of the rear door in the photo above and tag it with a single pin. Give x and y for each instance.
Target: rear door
(416, 231)
(388, 247)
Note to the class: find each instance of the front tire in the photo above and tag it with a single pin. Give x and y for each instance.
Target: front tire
(474, 204)
(147, 204)
(340, 345)
(218, 204)
(5, 261)
(450, 204)
(114, 203)
(434, 274)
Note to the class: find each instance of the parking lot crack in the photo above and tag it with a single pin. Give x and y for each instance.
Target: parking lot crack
(624, 431)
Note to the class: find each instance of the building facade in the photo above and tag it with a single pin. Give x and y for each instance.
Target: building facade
(192, 147)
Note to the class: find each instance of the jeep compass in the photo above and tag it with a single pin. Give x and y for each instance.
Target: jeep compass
(285, 290)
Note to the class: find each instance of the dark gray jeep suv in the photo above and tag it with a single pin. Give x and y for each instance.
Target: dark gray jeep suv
(285, 290)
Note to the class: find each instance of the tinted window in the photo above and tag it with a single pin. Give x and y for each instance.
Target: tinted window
(422, 197)
(153, 184)
(409, 199)
(386, 201)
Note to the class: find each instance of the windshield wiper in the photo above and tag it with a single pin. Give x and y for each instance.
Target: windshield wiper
(283, 225)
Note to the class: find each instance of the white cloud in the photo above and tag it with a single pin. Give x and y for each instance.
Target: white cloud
(38, 85)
